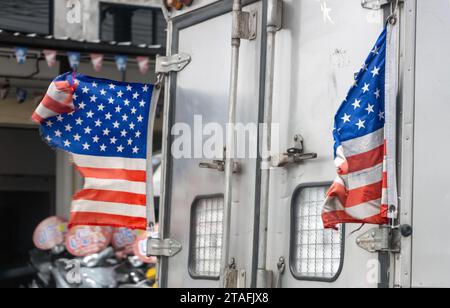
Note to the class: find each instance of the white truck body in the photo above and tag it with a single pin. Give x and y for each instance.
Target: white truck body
(319, 48)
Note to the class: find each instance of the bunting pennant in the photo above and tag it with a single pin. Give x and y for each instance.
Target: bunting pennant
(121, 62)
(97, 61)
(50, 57)
(143, 63)
(74, 60)
(21, 54)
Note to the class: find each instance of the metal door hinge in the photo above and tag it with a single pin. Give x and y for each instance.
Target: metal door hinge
(163, 248)
(382, 239)
(234, 277)
(293, 155)
(244, 25)
(377, 4)
(174, 63)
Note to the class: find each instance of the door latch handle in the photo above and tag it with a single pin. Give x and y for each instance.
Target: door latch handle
(219, 165)
(293, 155)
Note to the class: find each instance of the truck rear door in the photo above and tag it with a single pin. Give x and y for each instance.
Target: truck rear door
(194, 197)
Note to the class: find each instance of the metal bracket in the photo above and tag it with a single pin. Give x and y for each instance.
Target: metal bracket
(175, 63)
(377, 4)
(163, 248)
(244, 25)
(382, 239)
(219, 165)
(293, 155)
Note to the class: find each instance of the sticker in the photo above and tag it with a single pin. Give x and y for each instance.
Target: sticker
(82, 241)
(140, 247)
(123, 238)
(50, 233)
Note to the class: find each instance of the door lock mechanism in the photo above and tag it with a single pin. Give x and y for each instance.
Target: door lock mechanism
(219, 165)
(293, 155)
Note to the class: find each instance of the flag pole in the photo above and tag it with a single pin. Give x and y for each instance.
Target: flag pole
(151, 215)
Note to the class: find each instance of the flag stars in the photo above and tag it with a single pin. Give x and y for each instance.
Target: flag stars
(85, 90)
(129, 88)
(126, 102)
(116, 124)
(375, 71)
(140, 119)
(346, 118)
(111, 101)
(376, 50)
(123, 133)
(366, 88)
(112, 86)
(132, 126)
(130, 141)
(120, 149)
(113, 140)
(58, 133)
(106, 132)
(135, 150)
(86, 146)
(93, 98)
(101, 107)
(90, 114)
(94, 84)
(102, 92)
(142, 103)
(75, 96)
(103, 148)
(118, 109)
(356, 104)
(48, 138)
(136, 95)
(98, 123)
(369, 109)
(145, 88)
(381, 115)
(59, 118)
(88, 130)
(124, 118)
(77, 137)
(361, 124)
(82, 105)
(133, 110)
(377, 93)
(67, 143)
(138, 134)
(120, 94)
(68, 128)
(79, 121)
(95, 139)
(108, 116)
(49, 123)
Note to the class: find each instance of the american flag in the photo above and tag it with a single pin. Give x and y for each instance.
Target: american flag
(359, 193)
(103, 124)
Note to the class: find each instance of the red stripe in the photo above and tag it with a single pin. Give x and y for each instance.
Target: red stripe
(332, 219)
(96, 219)
(356, 196)
(63, 86)
(114, 174)
(362, 161)
(385, 180)
(55, 106)
(37, 118)
(111, 196)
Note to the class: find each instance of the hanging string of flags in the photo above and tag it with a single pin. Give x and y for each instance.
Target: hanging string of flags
(74, 58)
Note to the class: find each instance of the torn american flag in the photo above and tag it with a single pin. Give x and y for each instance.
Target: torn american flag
(104, 125)
(359, 193)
